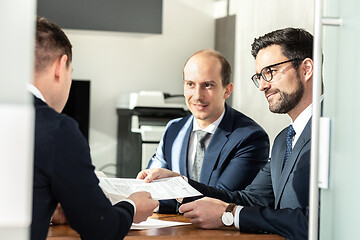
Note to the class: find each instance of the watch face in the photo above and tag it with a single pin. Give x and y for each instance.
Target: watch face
(227, 218)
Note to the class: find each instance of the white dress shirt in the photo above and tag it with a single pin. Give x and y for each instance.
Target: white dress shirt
(300, 123)
(31, 88)
(193, 139)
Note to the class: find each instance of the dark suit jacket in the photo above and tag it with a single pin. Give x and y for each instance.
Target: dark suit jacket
(237, 151)
(63, 173)
(276, 201)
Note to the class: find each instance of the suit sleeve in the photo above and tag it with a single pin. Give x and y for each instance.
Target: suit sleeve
(158, 159)
(251, 153)
(290, 223)
(259, 192)
(259, 215)
(75, 186)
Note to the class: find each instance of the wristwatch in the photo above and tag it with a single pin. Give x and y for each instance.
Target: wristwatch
(228, 218)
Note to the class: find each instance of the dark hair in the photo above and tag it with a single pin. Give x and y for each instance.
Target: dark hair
(225, 66)
(51, 43)
(295, 43)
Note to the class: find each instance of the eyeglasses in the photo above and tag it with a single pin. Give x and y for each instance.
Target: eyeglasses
(267, 73)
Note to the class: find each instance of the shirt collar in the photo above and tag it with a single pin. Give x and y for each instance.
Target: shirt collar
(301, 121)
(212, 127)
(31, 88)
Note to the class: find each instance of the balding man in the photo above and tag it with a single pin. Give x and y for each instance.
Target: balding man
(215, 145)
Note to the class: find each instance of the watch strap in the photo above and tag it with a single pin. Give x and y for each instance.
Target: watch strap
(230, 207)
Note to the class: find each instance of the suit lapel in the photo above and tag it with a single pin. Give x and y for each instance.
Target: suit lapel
(184, 147)
(277, 159)
(216, 144)
(293, 157)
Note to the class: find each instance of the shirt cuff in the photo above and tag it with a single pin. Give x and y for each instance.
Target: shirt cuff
(131, 202)
(237, 216)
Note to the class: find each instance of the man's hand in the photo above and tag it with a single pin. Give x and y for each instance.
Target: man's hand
(205, 212)
(145, 205)
(157, 173)
(58, 216)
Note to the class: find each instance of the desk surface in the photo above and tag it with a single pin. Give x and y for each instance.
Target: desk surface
(64, 232)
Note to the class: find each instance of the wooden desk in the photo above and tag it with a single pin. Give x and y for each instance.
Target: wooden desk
(64, 232)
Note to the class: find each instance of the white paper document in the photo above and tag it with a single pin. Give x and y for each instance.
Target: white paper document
(161, 189)
(155, 223)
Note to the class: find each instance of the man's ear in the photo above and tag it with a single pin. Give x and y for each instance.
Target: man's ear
(308, 68)
(60, 67)
(228, 90)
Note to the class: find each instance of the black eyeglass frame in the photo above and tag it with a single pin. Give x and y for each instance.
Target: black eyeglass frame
(256, 77)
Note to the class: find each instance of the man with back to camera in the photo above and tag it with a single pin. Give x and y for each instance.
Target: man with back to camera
(277, 200)
(63, 172)
(233, 148)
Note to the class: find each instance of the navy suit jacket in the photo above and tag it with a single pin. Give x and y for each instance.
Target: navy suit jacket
(276, 201)
(63, 173)
(237, 151)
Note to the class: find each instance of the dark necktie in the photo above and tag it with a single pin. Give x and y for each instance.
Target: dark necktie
(289, 138)
(199, 154)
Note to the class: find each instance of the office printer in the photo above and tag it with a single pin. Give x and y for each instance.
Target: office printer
(142, 118)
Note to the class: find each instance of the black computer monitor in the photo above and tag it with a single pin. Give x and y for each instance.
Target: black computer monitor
(78, 105)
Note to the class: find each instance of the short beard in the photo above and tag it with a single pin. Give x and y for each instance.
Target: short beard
(288, 101)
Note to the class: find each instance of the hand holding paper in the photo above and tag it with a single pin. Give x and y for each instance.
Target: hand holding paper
(160, 189)
(145, 205)
(149, 175)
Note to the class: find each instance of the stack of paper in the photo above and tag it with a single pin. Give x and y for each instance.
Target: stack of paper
(155, 223)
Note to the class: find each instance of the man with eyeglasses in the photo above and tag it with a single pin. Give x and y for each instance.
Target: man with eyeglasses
(277, 199)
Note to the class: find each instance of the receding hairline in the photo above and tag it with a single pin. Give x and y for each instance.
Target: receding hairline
(225, 68)
(205, 52)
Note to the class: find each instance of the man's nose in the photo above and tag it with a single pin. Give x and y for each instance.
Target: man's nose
(198, 94)
(263, 85)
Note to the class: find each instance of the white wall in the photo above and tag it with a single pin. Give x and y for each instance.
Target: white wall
(254, 18)
(17, 24)
(124, 62)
